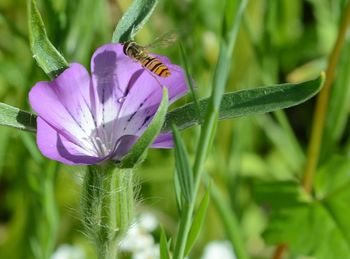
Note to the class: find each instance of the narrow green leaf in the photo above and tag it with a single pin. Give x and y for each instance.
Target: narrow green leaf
(235, 104)
(197, 222)
(47, 56)
(189, 80)
(248, 102)
(163, 246)
(183, 167)
(147, 138)
(5, 140)
(133, 20)
(339, 104)
(178, 196)
(16, 118)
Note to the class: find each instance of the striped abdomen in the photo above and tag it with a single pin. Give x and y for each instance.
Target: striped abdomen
(153, 64)
(156, 66)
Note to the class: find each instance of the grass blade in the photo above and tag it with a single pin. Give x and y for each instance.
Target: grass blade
(228, 40)
(189, 80)
(197, 222)
(178, 196)
(133, 20)
(163, 246)
(183, 167)
(338, 111)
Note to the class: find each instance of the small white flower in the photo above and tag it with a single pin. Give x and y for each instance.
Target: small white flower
(136, 239)
(139, 240)
(149, 253)
(148, 222)
(68, 252)
(219, 249)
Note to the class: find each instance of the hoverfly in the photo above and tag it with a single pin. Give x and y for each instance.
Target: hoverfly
(140, 54)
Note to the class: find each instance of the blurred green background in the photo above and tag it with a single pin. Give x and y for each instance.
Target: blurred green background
(279, 41)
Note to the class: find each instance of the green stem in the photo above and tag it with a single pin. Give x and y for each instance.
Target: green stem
(322, 105)
(108, 206)
(207, 131)
(319, 119)
(208, 128)
(190, 82)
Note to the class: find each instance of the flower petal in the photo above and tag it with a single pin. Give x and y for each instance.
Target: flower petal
(113, 74)
(124, 145)
(140, 105)
(176, 82)
(127, 91)
(55, 146)
(164, 140)
(65, 104)
(83, 120)
(144, 97)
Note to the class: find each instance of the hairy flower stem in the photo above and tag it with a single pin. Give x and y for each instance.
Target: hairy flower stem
(107, 204)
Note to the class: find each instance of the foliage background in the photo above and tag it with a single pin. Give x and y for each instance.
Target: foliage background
(256, 162)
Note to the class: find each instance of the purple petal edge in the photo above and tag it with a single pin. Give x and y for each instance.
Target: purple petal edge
(56, 147)
(164, 140)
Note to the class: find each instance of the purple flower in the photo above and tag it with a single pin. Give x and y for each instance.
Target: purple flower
(85, 119)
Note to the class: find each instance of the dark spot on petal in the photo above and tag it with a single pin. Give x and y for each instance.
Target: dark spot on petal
(145, 121)
(132, 116)
(133, 80)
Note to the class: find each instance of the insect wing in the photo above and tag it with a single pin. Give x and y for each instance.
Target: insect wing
(164, 40)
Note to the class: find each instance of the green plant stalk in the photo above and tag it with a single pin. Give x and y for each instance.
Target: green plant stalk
(322, 105)
(189, 81)
(108, 207)
(209, 126)
(320, 114)
(230, 221)
(207, 130)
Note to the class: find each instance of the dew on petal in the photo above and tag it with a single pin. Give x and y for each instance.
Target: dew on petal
(121, 99)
